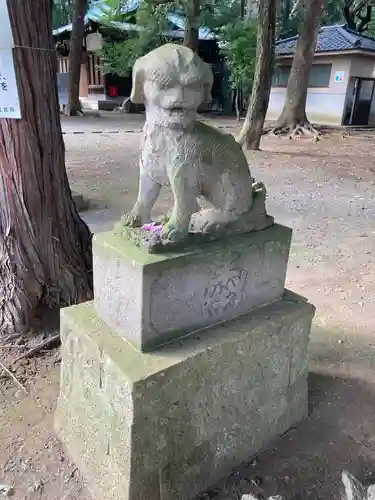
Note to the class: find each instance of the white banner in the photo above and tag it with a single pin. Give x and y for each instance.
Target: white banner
(6, 36)
(9, 101)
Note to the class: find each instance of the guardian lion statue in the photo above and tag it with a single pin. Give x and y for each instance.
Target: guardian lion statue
(197, 160)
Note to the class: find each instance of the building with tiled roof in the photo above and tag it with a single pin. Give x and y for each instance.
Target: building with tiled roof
(342, 78)
(98, 89)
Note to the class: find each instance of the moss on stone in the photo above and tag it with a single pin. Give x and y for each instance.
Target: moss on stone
(123, 247)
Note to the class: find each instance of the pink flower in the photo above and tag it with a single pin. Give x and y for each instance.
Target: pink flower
(152, 227)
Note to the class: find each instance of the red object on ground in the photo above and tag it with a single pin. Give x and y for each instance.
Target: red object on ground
(112, 91)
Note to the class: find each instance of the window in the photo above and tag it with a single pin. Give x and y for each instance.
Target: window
(280, 76)
(95, 72)
(320, 75)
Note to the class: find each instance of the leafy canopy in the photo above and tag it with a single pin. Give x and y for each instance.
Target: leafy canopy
(239, 48)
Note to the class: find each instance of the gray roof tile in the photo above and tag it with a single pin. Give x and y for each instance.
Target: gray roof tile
(330, 39)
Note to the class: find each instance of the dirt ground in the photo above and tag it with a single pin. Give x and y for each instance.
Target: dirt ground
(326, 192)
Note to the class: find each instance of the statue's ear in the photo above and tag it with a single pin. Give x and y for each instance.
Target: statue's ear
(137, 95)
(371, 492)
(354, 490)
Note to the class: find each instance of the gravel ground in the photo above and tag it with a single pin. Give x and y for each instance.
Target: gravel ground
(325, 191)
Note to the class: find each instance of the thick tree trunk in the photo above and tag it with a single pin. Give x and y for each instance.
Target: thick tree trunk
(75, 57)
(293, 116)
(251, 132)
(191, 36)
(45, 248)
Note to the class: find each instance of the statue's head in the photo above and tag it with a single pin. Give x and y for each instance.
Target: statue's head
(171, 81)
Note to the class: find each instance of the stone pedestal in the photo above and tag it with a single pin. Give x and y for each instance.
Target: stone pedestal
(167, 424)
(150, 299)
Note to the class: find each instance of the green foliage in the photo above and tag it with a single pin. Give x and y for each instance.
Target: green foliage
(221, 16)
(371, 26)
(239, 48)
(333, 12)
(220, 13)
(61, 13)
(288, 26)
(119, 56)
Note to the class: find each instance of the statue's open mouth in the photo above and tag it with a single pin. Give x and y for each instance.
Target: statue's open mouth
(177, 110)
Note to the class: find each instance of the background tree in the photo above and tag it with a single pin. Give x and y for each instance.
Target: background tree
(288, 25)
(251, 132)
(45, 248)
(293, 117)
(193, 20)
(191, 10)
(239, 50)
(119, 56)
(75, 57)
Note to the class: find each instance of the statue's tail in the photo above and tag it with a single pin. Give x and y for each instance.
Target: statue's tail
(259, 189)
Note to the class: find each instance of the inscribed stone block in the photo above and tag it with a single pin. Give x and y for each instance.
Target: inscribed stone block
(152, 298)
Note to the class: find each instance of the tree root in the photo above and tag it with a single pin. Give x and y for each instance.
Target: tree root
(46, 344)
(13, 377)
(297, 130)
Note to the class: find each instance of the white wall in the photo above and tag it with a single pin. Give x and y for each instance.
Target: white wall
(321, 107)
(362, 66)
(324, 105)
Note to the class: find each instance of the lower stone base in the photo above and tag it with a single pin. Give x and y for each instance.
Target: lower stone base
(167, 425)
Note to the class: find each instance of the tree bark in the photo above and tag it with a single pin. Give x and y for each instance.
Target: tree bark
(251, 132)
(191, 35)
(75, 57)
(293, 117)
(45, 248)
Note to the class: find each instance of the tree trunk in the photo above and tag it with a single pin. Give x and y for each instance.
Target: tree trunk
(45, 248)
(293, 117)
(242, 9)
(75, 57)
(191, 36)
(251, 132)
(237, 103)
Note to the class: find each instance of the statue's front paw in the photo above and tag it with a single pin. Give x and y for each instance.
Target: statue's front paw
(172, 233)
(131, 220)
(212, 227)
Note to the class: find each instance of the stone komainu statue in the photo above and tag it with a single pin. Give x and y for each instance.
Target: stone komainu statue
(197, 160)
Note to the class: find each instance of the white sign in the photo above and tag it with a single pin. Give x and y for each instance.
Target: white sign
(6, 36)
(9, 101)
(339, 76)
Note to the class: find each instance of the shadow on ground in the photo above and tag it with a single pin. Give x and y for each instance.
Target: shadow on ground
(307, 462)
(339, 433)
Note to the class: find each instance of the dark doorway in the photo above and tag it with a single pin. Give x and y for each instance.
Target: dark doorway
(359, 99)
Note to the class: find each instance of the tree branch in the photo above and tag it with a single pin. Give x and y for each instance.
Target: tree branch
(297, 4)
(364, 20)
(361, 5)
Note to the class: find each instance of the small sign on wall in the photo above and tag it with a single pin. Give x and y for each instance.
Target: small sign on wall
(339, 76)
